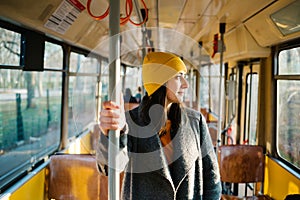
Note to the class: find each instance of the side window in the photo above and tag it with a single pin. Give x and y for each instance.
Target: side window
(84, 72)
(204, 84)
(30, 110)
(131, 79)
(210, 79)
(10, 48)
(251, 108)
(288, 106)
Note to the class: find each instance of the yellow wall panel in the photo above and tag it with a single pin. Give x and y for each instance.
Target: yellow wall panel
(33, 189)
(279, 182)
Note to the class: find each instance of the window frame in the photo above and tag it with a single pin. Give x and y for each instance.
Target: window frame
(40, 158)
(74, 74)
(275, 52)
(248, 106)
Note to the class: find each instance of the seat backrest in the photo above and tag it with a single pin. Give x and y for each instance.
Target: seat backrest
(75, 176)
(241, 163)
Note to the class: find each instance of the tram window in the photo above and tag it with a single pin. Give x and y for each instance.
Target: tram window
(189, 94)
(204, 85)
(10, 47)
(132, 79)
(251, 108)
(53, 56)
(288, 106)
(30, 110)
(82, 64)
(289, 61)
(82, 93)
(210, 78)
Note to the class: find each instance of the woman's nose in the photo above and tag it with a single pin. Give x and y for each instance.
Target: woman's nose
(184, 83)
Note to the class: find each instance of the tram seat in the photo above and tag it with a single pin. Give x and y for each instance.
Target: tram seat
(75, 176)
(242, 164)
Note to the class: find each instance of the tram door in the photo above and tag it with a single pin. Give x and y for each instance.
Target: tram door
(249, 104)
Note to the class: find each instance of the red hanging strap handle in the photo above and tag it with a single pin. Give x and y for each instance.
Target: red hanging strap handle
(123, 20)
(128, 8)
(146, 15)
(100, 17)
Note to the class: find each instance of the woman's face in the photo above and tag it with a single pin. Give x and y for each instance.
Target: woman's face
(175, 88)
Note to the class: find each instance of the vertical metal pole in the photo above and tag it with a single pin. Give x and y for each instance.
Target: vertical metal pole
(222, 31)
(157, 24)
(65, 101)
(191, 74)
(209, 86)
(20, 129)
(199, 79)
(247, 136)
(124, 68)
(144, 30)
(115, 91)
(99, 90)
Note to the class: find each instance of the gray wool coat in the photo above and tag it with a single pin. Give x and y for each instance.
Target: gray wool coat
(192, 174)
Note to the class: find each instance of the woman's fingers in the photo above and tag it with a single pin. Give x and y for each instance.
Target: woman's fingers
(110, 105)
(112, 117)
(122, 112)
(109, 113)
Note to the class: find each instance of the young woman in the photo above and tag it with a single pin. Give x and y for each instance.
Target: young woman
(165, 149)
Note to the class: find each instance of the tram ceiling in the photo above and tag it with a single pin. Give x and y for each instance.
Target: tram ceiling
(175, 26)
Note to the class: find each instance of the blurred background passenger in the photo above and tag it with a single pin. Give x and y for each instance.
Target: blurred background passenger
(138, 95)
(128, 98)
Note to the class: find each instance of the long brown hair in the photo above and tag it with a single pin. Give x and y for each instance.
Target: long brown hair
(159, 97)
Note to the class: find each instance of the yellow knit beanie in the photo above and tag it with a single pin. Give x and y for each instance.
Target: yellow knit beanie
(158, 68)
